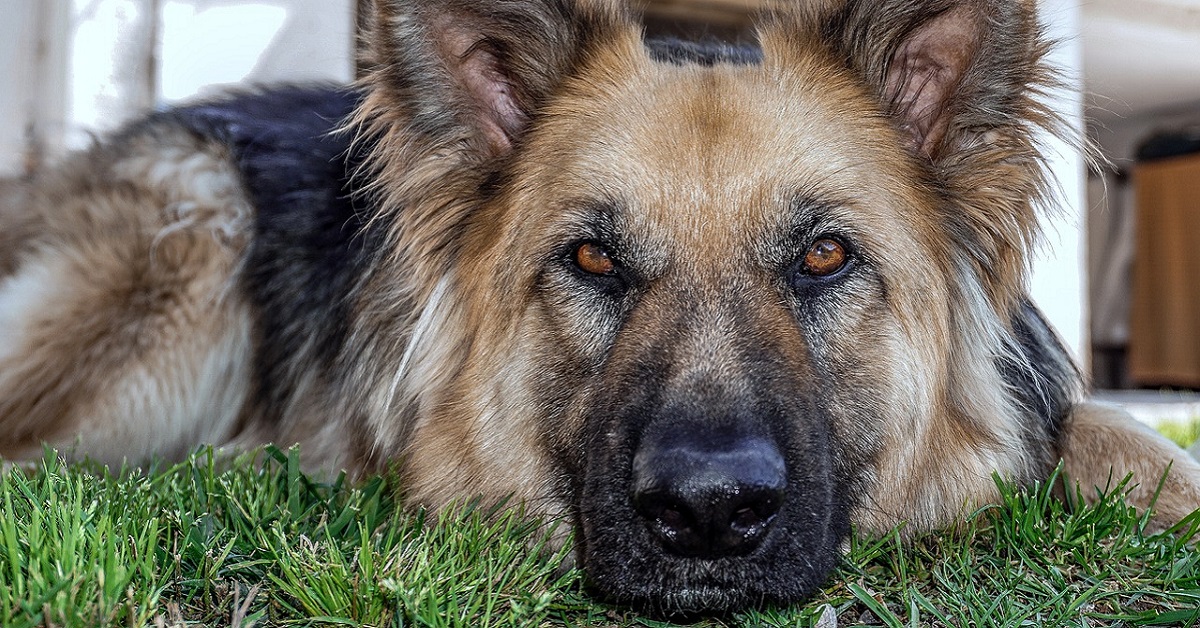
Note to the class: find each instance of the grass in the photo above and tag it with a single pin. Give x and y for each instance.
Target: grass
(1183, 433)
(261, 544)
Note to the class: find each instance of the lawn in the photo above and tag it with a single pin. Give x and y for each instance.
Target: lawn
(258, 543)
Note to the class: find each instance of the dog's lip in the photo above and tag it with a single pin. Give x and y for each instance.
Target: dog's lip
(697, 584)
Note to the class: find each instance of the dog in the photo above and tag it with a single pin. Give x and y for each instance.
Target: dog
(712, 305)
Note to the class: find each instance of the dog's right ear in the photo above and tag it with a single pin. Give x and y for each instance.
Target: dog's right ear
(964, 82)
(471, 73)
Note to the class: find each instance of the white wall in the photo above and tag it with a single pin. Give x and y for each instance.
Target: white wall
(69, 68)
(1058, 284)
(32, 105)
(209, 44)
(110, 47)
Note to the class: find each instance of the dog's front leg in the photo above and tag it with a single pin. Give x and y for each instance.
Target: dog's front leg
(1101, 444)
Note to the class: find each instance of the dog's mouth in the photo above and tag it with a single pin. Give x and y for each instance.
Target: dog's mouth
(708, 520)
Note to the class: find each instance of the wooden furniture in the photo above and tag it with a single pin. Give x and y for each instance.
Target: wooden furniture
(1164, 329)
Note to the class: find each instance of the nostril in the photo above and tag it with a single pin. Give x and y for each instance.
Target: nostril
(673, 519)
(758, 507)
(672, 522)
(747, 519)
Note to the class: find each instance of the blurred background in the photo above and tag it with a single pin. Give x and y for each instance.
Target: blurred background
(1119, 274)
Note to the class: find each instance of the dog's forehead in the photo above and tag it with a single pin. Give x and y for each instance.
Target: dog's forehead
(690, 149)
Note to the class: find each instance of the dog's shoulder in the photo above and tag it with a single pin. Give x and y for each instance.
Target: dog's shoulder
(297, 165)
(285, 140)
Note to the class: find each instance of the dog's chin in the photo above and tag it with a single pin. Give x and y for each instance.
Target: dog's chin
(689, 603)
(677, 589)
(623, 568)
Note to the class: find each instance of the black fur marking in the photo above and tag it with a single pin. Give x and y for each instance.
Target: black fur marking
(309, 243)
(1049, 390)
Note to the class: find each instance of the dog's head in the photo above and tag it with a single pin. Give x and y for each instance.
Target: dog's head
(714, 305)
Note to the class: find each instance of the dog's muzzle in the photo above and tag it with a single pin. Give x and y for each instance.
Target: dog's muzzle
(694, 502)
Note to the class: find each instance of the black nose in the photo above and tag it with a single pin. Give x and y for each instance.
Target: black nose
(708, 495)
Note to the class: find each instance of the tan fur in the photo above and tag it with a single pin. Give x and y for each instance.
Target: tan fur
(121, 306)
(1102, 444)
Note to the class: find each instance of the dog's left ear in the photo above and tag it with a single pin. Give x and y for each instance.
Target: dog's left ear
(951, 73)
(964, 82)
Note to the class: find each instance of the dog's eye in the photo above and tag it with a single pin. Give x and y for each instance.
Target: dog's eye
(825, 258)
(594, 259)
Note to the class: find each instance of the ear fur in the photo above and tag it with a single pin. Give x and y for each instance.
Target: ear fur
(927, 71)
(475, 69)
(949, 71)
(965, 83)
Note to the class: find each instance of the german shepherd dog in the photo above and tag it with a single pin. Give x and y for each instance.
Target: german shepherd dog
(712, 305)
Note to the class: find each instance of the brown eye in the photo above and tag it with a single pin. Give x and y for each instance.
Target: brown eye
(594, 259)
(824, 258)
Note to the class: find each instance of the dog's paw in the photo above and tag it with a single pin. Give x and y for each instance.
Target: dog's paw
(1101, 445)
